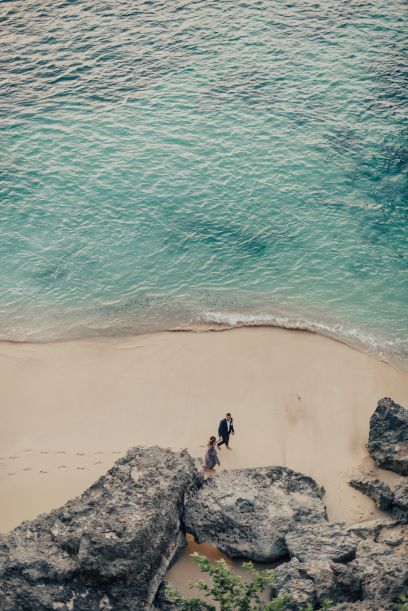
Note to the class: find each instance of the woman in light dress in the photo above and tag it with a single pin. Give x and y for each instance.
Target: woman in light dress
(211, 456)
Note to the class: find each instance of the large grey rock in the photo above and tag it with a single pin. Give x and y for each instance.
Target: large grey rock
(332, 541)
(388, 437)
(399, 508)
(107, 549)
(247, 512)
(377, 490)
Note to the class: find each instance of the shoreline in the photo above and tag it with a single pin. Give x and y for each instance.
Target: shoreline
(301, 400)
(398, 362)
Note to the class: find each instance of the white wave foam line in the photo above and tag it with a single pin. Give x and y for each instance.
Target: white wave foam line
(349, 335)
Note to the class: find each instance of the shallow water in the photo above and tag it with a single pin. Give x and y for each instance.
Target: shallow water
(171, 164)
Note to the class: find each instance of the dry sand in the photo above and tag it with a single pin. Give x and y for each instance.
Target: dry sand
(69, 409)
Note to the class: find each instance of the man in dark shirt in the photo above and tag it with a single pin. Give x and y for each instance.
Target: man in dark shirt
(225, 429)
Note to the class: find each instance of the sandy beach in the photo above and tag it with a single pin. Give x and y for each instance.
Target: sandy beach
(70, 409)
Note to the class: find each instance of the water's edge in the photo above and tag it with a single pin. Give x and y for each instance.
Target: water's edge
(200, 327)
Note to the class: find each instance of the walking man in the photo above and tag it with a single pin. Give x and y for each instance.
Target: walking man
(225, 429)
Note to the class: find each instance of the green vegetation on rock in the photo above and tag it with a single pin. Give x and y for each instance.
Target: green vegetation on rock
(228, 591)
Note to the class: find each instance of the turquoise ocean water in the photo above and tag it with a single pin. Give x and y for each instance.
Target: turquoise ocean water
(168, 164)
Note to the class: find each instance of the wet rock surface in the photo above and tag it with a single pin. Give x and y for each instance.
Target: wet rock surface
(388, 437)
(247, 512)
(107, 549)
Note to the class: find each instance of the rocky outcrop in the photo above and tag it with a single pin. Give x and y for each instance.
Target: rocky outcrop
(248, 512)
(377, 490)
(109, 548)
(375, 578)
(380, 572)
(395, 501)
(388, 445)
(388, 437)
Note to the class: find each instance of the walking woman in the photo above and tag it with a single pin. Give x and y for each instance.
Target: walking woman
(211, 456)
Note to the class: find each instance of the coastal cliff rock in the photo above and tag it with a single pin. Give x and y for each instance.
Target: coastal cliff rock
(107, 549)
(388, 437)
(247, 512)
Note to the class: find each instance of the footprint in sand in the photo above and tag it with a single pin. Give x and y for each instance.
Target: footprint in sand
(12, 457)
(61, 452)
(43, 471)
(44, 452)
(81, 468)
(28, 450)
(98, 462)
(80, 453)
(11, 473)
(62, 467)
(116, 452)
(27, 469)
(99, 452)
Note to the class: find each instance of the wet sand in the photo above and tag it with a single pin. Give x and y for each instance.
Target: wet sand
(70, 409)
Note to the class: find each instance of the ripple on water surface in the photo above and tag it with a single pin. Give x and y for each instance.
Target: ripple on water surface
(166, 164)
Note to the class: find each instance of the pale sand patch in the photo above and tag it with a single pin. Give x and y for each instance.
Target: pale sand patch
(69, 409)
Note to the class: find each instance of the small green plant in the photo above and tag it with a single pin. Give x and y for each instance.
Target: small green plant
(404, 603)
(229, 591)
